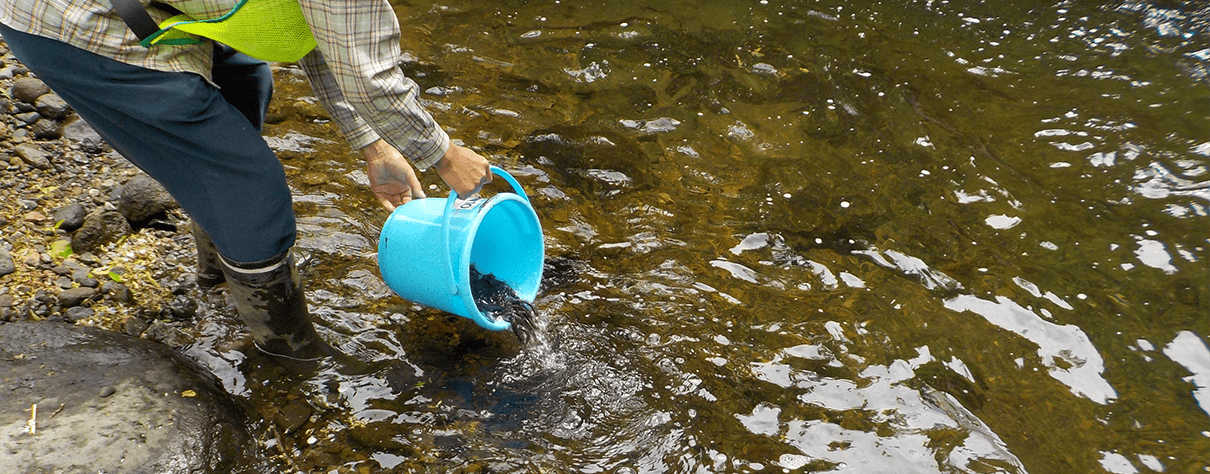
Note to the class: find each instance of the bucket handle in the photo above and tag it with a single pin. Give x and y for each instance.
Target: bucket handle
(511, 182)
(445, 222)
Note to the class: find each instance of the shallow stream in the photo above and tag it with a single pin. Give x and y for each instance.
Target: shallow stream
(823, 236)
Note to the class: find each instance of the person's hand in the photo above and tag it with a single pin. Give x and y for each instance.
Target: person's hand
(464, 170)
(392, 179)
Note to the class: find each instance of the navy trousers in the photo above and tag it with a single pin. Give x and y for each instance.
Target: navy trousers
(201, 142)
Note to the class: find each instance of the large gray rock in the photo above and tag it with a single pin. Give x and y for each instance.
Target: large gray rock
(34, 155)
(76, 296)
(81, 133)
(107, 402)
(100, 227)
(70, 217)
(143, 197)
(28, 89)
(52, 106)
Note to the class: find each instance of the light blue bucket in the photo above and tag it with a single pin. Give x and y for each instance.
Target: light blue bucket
(427, 247)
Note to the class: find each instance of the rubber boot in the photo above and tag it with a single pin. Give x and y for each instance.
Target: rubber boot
(269, 298)
(209, 270)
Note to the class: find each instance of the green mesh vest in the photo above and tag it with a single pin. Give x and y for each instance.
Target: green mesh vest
(270, 30)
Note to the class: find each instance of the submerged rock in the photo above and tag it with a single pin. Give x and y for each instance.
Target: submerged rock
(107, 402)
(598, 161)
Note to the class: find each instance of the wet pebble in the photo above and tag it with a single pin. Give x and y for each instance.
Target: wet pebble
(135, 326)
(117, 292)
(7, 265)
(33, 155)
(70, 217)
(75, 296)
(167, 334)
(77, 313)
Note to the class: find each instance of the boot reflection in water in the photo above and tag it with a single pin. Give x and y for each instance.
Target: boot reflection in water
(269, 298)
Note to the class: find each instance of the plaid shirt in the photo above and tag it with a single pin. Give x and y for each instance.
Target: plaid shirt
(353, 70)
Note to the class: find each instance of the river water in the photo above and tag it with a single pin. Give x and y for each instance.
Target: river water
(861, 236)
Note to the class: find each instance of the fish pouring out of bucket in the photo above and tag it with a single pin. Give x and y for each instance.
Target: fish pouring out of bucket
(477, 258)
(495, 299)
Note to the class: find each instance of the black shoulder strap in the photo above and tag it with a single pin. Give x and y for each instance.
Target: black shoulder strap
(136, 17)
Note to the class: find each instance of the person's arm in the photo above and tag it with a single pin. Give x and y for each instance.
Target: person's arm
(356, 59)
(356, 131)
(355, 73)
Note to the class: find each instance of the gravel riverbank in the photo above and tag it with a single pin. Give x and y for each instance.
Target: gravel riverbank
(85, 237)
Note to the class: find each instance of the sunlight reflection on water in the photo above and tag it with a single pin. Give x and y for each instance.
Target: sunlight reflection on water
(1057, 345)
(770, 229)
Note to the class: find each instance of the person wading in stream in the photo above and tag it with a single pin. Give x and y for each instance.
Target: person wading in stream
(190, 116)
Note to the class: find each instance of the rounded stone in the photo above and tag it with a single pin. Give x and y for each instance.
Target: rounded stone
(77, 313)
(70, 217)
(100, 228)
(75, 296)
(28, 89)
(143, 197)
(165, 414)
(52, 106)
